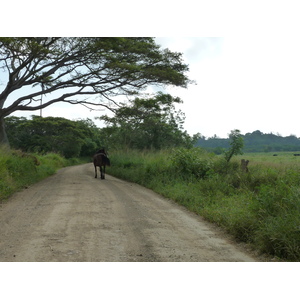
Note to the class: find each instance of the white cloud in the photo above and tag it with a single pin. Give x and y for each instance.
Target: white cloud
(246, 83)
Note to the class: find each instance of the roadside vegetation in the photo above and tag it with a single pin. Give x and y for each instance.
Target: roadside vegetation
(18, 169)
(260, 207)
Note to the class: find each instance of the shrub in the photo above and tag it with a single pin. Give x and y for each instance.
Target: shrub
(193, 162)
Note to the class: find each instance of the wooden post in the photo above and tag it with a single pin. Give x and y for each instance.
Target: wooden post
(244, 164)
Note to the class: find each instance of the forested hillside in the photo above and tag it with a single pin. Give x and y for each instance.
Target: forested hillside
(253, 142)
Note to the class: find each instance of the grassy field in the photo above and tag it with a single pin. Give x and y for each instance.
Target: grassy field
(283, 160)
(261, 207)
(18, 170)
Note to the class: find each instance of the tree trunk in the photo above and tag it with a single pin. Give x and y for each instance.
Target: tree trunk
(3, 137)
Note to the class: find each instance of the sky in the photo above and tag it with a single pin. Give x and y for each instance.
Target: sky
(244, 57)
(247, 83)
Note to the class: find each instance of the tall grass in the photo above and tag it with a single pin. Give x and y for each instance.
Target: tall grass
(18, 170)
(261, 207)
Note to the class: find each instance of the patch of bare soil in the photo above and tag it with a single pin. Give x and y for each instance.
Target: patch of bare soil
(71, 216)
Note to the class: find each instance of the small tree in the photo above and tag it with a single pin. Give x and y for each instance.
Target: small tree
(236, 143)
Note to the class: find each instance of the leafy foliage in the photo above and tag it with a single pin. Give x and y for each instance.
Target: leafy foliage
(194, 162)
(43, 135)
(236, 144)
(151, 123)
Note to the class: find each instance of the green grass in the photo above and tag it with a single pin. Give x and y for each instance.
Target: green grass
(19, 170)
(261, 207)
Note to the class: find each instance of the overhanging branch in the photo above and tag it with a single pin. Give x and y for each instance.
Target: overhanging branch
(82, 67)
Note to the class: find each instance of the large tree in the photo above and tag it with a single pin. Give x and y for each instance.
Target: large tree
(82, 71)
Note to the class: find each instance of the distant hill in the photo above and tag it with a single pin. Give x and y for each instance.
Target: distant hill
(253, 142)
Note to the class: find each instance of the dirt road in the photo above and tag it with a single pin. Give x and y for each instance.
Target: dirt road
(72, 216)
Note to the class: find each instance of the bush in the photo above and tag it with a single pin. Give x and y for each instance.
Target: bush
(193, 162)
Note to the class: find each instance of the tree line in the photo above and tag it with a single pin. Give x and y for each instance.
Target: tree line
(144, 123)
(256, 141)
(53, 134)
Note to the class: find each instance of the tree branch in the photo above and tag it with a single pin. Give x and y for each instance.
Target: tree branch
(107, 67)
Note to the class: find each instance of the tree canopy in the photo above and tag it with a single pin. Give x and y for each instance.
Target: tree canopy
(86, 71)
(147, 123)
(53, 134)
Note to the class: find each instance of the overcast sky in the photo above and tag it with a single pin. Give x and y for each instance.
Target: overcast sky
(245, 83)
(247, 79)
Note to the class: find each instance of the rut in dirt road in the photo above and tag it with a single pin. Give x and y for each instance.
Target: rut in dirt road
(71, 216)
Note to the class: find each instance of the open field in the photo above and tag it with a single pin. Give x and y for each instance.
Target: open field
(282, 160)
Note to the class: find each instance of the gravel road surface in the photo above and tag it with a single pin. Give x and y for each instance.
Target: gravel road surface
(73, 217)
